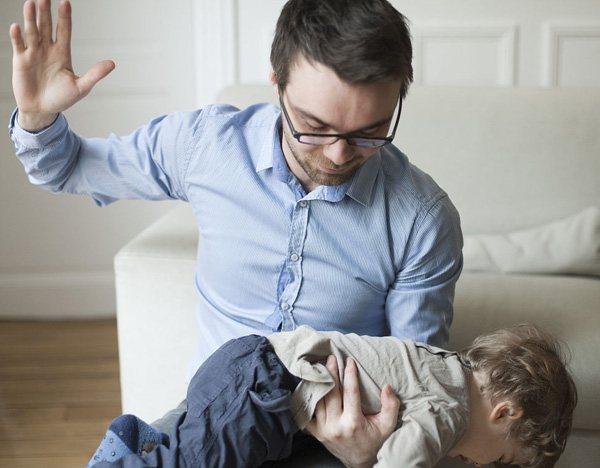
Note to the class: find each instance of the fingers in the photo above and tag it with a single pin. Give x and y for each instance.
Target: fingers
(32, 36)
(352, 399)
(94, 74)
(318, 420)
(38, 25)
(45, 21)
(63, 27)
(16, 38)
(320, 414)
(333, 400)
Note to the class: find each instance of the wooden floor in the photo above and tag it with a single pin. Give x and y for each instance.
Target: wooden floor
(59, 390)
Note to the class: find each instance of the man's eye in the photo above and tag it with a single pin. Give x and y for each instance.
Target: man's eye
(316, 128)
(371, 132)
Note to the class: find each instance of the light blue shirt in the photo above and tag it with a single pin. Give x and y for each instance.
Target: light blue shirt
(377, 255)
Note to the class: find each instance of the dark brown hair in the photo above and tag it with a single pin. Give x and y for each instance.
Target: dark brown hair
(363, 41)
(527, 366)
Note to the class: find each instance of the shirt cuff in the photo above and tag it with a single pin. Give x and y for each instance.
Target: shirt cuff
(38, 139)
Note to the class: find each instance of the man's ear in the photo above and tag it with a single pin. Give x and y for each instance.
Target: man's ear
(273, 81)
(505, 409)
(272, 77)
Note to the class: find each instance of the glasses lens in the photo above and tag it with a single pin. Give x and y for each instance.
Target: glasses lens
(367, 142)
(317, 140)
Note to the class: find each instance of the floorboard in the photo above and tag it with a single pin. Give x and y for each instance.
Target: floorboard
(59, 389)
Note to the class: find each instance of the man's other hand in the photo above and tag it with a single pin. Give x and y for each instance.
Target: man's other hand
(340, 425)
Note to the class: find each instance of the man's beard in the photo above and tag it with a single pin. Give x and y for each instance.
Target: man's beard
(310, 162)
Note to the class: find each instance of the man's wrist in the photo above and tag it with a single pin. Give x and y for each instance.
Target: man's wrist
(34, 123)
(362, 465)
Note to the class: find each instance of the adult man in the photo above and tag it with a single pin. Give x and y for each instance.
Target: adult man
(309, 217)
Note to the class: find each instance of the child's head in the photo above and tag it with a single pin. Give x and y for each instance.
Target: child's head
(524, 369)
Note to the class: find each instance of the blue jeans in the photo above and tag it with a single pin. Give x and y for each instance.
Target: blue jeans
(236, 414)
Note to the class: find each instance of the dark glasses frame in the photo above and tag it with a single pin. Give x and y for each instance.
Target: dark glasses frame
(352, 139)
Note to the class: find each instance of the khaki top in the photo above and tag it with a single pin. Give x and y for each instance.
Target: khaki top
(432, 385)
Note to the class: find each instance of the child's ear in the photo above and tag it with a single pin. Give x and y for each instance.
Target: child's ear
(506, 409)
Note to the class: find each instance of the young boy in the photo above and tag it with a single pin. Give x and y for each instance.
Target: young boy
(508, 398)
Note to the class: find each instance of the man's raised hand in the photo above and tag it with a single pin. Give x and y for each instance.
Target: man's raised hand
(43, 79)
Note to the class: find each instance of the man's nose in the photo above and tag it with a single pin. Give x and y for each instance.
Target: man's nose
(339, 152)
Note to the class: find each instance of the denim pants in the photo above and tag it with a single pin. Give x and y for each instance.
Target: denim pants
(236, 414)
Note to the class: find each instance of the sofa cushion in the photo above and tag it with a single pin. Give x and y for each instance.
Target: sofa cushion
(570, 245)
(566, 306)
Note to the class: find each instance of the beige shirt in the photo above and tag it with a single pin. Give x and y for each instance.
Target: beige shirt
(431, 383)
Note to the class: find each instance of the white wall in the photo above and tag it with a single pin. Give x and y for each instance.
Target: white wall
(56, 250)
(461, 42)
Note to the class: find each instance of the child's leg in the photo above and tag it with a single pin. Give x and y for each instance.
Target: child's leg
(238, 412)
(127, 435)
(166, 422)
(239, 407)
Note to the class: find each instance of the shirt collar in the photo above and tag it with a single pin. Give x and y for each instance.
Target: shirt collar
(271, 145)
(363, 181)
(359, 187)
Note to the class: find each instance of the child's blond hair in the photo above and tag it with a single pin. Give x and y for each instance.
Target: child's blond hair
(526, 366)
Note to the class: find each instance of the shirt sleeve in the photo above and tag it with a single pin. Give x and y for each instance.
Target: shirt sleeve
(419, 303)
(148, 164)
(424, 437)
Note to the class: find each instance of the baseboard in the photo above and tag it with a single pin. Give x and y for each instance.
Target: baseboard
(59, 295)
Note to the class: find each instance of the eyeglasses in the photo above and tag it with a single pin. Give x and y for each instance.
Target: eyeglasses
(320, 139)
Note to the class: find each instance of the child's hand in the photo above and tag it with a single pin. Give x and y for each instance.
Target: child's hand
(340, 424)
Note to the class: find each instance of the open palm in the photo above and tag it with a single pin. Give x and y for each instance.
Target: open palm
(43, 79)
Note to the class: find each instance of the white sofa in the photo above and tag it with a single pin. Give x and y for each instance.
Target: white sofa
(509, 159)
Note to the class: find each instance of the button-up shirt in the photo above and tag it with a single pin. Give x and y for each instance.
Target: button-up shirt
(376, 255)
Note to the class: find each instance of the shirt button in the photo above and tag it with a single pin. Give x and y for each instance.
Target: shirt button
(303, 203)
(285, 306)
(294, 257)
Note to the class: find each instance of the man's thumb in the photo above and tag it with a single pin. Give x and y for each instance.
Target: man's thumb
(389, 399)
(390, 405)
(93, 75)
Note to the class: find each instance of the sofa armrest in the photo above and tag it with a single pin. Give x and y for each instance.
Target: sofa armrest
(156, 314)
